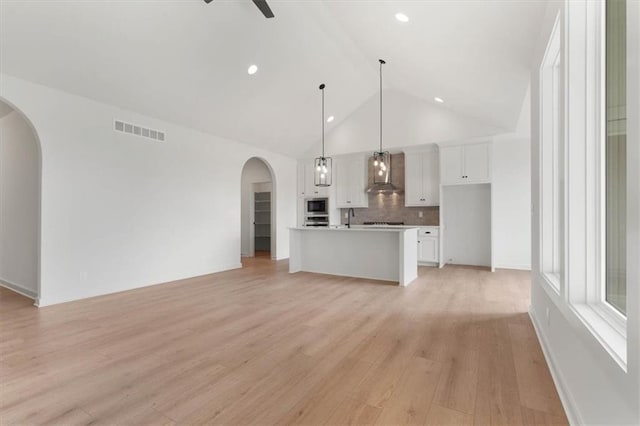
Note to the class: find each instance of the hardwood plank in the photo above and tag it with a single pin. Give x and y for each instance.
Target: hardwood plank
(329, 394)
(411, 400)
(353, 412)
(442, 416)
(533, 417)
(537, 390)
(498, 398)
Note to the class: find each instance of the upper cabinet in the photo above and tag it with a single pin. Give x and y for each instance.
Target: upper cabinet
(465, 164)
(306, 184)
(422, 179)
(350, 177)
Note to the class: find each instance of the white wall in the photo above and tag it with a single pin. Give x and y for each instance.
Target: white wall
(511, 191)
(408, 121)
(19, 204)
(593, 388)
(466, 215)
(120, 212)
(254, 171)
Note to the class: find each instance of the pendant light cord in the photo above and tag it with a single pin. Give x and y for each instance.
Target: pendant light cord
(322, 86)
(381, 63)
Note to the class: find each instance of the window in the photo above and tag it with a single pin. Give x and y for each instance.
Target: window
(552, 161)
(583, 174)
(615, 142)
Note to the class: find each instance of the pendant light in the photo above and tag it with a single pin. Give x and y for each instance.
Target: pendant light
(322, 165)
(381, 159)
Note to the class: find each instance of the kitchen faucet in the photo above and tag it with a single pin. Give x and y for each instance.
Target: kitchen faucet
(351, 213)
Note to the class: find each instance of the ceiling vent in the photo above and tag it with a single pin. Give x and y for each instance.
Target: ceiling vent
(136, 130)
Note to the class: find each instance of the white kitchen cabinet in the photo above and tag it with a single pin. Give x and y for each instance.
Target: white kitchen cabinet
(422, 179)
(306, 185)
(477, 162)
(428, 245)
(465, 164)
(350, 174)
(451, 165)
(301, 185)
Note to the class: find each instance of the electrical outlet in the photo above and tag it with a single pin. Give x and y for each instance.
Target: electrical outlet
(548, 317)
(346, 215)
(420, 214)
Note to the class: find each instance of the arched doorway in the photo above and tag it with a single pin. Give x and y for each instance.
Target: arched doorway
(20, 198)
(258, 228)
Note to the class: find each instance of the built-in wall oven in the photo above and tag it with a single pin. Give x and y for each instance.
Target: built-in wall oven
(316, 212)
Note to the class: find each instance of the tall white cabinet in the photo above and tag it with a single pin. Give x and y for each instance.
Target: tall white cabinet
(422, 178)
(350, 177)
(465, 164)
(466, 219)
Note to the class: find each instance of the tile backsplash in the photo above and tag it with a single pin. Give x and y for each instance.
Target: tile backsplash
(389, 207)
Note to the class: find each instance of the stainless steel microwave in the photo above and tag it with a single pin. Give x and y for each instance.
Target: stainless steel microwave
(316, 206)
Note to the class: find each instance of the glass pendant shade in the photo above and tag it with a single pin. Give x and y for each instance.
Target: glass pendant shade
(381, 167)
(322, 171)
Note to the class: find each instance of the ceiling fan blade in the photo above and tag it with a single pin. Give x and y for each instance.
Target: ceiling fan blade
(264, 8)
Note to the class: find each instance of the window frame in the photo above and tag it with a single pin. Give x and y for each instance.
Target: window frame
(581, 293)
(609, 313)
(586, 295)
(553, 57)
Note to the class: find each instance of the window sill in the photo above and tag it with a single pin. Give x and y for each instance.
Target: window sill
(609, 332)
(552, 281)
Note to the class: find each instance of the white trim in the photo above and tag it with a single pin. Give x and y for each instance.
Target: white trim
(567, 400)
(552, 152)
(518, 267)
(610, 336)
(552, 281)
(17, 288)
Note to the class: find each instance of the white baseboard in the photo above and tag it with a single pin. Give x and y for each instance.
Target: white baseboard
(517, 267)
(18, 289)
(566, 399)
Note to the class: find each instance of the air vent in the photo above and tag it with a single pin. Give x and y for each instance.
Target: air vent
(136, 130)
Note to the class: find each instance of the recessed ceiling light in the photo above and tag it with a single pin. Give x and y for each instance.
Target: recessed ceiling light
(252, 69)
(439, 100)
(330, 119)
(402, 17)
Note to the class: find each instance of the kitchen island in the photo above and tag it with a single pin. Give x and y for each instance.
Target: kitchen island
(380, 253)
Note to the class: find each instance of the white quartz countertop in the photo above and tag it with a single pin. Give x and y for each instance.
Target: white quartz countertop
(365, 228)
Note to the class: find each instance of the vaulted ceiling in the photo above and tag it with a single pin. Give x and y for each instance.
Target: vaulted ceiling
(186, 61)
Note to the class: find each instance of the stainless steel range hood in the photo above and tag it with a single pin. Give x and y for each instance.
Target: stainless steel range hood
(383, 187)
(383, 184)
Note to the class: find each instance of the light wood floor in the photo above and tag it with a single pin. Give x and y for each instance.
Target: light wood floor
(261, 346)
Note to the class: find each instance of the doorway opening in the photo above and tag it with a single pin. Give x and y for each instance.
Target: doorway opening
(20, 180)
(258, 210)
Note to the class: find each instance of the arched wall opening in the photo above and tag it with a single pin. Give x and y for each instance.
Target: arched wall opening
(258, 209)
(20, 202)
